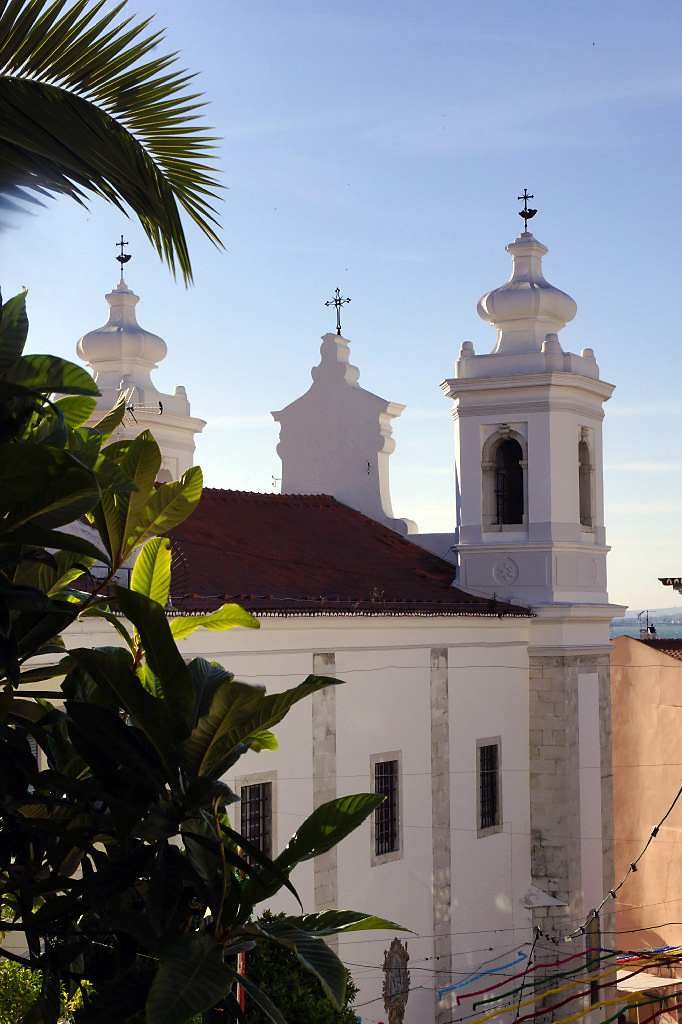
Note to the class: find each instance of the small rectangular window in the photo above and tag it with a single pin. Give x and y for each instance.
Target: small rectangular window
(489, 787)
(386, 833)
(256, 802)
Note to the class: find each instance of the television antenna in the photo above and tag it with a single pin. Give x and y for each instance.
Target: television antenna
(128, 394)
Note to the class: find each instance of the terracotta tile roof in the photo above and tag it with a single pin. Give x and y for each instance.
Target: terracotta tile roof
(667, 645)
(308, 554)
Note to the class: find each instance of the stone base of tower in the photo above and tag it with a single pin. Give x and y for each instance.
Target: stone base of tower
(571, 805)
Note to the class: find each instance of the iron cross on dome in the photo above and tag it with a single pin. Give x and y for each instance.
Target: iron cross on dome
(123, 257)
(525, 212)
(337, 302)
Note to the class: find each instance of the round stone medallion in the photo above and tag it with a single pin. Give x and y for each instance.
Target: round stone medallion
(505, 571)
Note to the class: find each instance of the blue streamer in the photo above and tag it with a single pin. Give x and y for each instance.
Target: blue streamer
(491, 970)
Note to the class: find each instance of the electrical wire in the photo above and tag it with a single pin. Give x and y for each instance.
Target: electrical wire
(611, 895)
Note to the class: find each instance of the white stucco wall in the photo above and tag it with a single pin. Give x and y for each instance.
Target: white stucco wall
(384, 706)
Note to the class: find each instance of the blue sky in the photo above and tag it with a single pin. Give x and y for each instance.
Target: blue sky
(380, 147)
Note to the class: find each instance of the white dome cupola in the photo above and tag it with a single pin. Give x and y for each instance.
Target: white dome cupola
(121, 347)
(527, 308)
(121, 356)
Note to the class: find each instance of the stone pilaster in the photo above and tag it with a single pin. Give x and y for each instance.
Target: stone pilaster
(324, 779)
(557, 842)
(440, 820)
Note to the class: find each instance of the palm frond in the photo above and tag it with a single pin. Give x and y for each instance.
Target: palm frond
(84, 109)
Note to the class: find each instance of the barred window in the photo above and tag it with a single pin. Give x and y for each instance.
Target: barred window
(256, 823)
(489, 795)
(509, 482)
(584, 484)
(386, 832)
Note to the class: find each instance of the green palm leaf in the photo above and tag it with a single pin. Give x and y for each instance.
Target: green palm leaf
(85, 108)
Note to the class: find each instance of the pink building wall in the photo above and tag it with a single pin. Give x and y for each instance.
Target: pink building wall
(646, 703)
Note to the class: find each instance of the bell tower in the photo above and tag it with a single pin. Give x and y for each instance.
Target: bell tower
(530, 529)
(121, 356)
(528, 448)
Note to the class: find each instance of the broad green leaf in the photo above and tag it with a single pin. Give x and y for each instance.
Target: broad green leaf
(76, 409)
(113, 672)
(120, 741)
(22, 710)
(107, 425)
(240, 842)
(111, 476)
(167, 506)
(43, 484)
(55, 575)
(40, 537)
(47, 427)
(162, 655)
(328, 825)
(24, 595)
(18, 406)
(117, 450)
(337, 922)
(118, 515)
(13, 330)
(192, 977)
(200, 792)
(226, 617)
(263, 740)
(313, 953)
(206, 852)
(34, 631)
(84, 443)
(51, 374)
(149, 680)
(152, 571)
(107, 522)
(261, 1000)
(141, 462)
(237, 712)
(96, 612)
(37, 675)
(322, 830)
(207, 677)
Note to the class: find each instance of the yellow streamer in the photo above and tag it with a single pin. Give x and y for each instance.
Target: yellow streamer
(575, 981)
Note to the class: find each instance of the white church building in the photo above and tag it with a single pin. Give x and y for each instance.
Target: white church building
(476, 689)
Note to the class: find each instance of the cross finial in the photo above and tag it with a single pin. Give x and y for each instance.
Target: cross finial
(337, 302)
(525, 212)
(122, 257)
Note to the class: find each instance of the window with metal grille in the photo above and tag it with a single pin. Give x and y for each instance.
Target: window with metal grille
(584, 484)
(509, 482)
(386, 832)
(488, 785)
(257, 818)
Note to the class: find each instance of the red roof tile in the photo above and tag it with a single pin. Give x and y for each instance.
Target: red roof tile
(668, 645)
(308, 554)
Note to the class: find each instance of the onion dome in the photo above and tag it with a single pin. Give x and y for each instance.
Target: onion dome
(527, 308)
(121, 347)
